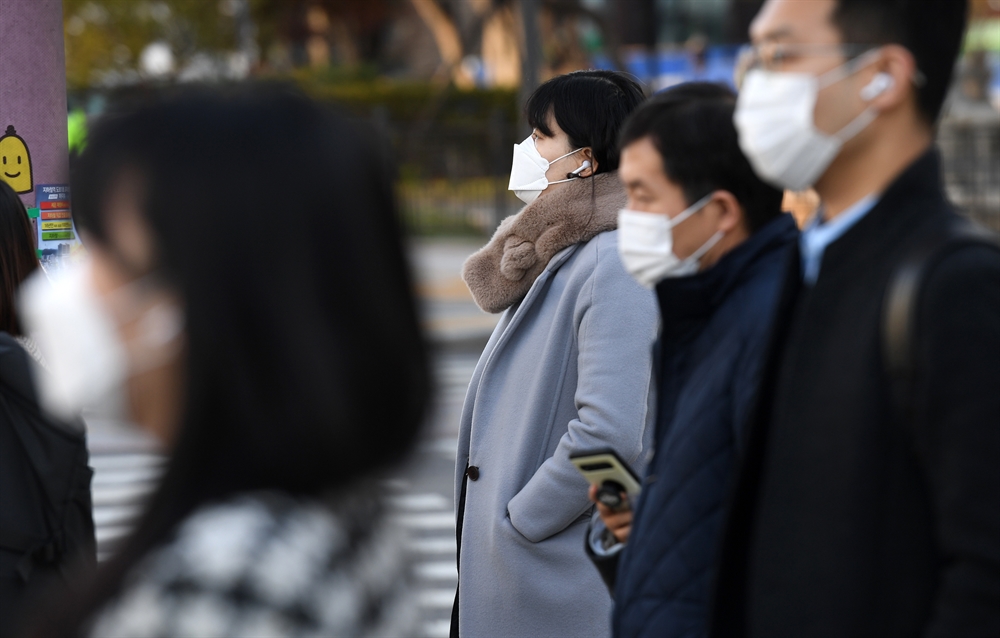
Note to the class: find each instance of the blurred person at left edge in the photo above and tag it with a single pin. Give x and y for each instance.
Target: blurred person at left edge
(46, 519)
(248, 284)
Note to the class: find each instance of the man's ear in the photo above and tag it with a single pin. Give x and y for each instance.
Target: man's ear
(729, 212)
(895, 79)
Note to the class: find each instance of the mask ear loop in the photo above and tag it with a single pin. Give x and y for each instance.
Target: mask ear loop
(707, 246)
(847, 69)
(692, 209)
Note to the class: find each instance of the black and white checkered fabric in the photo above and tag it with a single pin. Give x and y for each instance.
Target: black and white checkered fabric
(265, 564)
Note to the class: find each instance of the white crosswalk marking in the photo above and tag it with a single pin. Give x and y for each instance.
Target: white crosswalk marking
(435, 545)
(439, 598)
(438, 628)
(127, 470)
(428, 520)
(437, 570)
(420, 502)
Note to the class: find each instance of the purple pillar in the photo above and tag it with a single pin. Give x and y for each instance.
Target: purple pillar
(34, 158)
(32, 96)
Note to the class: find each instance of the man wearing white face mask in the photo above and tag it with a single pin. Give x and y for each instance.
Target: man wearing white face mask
(709, 235)
(868, 501)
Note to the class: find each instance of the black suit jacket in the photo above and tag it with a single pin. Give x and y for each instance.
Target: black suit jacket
(848, 520)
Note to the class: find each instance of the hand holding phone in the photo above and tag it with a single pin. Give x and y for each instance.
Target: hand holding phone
(610, 478)
(617, 521)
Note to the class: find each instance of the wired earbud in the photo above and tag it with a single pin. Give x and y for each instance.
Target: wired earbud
(881, 83)
(576, 173)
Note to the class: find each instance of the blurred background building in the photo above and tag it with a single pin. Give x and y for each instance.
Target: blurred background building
(443, 80)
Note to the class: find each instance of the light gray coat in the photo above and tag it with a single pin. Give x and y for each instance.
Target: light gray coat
(567, 369)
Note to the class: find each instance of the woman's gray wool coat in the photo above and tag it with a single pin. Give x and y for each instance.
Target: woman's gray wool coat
(567, 369)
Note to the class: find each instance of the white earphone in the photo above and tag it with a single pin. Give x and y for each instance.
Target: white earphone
(881, 83)
(576, 173)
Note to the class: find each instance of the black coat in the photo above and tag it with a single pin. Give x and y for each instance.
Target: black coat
(711, 348)
(46, 518)
(848, 520)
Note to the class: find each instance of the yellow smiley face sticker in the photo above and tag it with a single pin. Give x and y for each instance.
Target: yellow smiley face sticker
(15, 162)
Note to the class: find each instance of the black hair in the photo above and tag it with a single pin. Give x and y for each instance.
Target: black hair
(691, 125)
(932, 30)
(18, 258)
(590, 106)
(274, 220)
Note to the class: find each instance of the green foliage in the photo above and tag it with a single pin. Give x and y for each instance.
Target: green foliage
(454, 207)
(76, 126)
(362, 91)
(110, 35)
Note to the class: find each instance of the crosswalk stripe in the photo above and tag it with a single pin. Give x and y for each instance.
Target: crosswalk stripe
(446, 545)
(438, 629)
(445, 446)
(116, 493)
(437, 598)
(120, 461)
(111, 515)
(111, 533)
(418, 502)
(437, 570)
(435, 520)
(132, 475)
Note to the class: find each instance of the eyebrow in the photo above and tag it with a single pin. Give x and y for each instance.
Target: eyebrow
(777, 34)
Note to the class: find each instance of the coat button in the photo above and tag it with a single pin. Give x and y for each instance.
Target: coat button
(472, 472)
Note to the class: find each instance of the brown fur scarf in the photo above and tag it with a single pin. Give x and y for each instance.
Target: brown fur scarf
(501, 272)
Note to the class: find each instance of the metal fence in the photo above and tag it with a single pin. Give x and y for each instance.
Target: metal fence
(969, 140)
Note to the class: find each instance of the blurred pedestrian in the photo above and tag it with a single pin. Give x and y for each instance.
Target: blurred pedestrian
(566, 370)
(248, 283)
(46, 523)
(869, 501)
(710, 236)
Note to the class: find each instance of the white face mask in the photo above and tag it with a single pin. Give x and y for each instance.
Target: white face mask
(528, 169)
(774, 118)
(87, 361)
(646, 245)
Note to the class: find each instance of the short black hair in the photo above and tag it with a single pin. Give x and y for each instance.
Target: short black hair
(590, 106)
(691, 125)
(932, 30)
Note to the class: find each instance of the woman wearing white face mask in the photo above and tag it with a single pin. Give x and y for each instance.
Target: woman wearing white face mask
(282, 370)
(567, 370)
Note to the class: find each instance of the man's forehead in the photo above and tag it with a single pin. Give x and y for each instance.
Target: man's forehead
(794, 21)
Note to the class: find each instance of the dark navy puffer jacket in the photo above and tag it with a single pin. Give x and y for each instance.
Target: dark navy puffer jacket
(715, 330)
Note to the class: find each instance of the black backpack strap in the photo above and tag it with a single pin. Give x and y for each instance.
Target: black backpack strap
(901, 303)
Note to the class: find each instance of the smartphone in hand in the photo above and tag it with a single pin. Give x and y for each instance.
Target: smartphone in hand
(612, 476)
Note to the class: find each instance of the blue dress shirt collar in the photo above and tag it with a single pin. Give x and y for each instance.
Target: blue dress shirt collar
(819, 234)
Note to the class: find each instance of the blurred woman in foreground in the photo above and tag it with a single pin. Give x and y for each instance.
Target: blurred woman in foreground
(248, 274)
